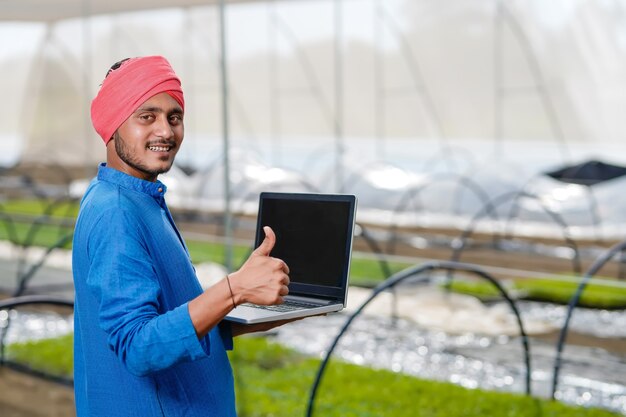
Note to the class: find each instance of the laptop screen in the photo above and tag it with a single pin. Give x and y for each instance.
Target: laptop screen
(313, 236)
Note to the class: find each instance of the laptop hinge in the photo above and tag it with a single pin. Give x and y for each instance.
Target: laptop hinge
(316, 300)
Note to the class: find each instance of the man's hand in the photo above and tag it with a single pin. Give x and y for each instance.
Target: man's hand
(262, 279)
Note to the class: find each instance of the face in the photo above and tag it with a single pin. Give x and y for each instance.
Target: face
(146, 144)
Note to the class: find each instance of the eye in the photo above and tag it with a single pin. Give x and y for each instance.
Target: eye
(146, 117)
(176, 119)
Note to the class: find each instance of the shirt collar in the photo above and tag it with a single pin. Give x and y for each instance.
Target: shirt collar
(154, 189)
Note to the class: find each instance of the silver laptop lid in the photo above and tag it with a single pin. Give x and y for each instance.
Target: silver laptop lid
(314, 234)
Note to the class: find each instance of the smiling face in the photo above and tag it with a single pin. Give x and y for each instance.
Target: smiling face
(146, 144)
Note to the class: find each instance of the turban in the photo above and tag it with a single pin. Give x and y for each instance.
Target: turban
(128, 87)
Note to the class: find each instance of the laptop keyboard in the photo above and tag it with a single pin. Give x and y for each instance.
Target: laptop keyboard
(288, 305)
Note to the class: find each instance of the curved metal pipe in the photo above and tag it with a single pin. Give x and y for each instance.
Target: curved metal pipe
(396, 279)
(26, 300)
(595, 267)
(9, 225)
(35, 299)
(382, 262)
(412, 192)
(26, 277)
(556, 217)
(503, 198)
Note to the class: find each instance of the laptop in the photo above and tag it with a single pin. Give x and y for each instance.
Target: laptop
(314, 234)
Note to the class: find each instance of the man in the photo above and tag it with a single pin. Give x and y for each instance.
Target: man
(148, 340)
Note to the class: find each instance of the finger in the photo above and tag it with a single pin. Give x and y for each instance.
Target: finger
(282, 265)
(286, 280)
(284, 290)
(268, 243)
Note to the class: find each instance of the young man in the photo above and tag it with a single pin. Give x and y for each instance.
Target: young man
(148, 340)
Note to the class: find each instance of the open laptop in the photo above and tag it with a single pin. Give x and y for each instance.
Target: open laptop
(314, 234)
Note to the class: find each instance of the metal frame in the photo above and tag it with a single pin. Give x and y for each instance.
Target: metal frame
(405, 275)
(11, 303)
(595, 267)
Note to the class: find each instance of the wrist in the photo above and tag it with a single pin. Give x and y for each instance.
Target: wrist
(235, 289)
(230, 291)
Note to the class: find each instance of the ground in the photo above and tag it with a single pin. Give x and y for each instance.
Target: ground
(22, 395)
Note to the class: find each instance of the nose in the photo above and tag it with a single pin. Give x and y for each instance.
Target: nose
(162, 127)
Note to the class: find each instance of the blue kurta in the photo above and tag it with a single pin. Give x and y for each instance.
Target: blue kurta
(136, 352)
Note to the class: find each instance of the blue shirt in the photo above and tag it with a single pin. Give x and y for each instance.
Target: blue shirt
(136, 352)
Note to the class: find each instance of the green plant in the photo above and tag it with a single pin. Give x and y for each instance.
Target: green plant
(52, 356)
(559, 291)
(273, 381)
(282, 390)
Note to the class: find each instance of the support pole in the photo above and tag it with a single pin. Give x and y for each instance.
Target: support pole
(228, 232)
(339, 145)
(87, 132)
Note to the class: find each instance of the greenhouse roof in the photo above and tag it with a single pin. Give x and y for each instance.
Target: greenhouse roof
(50, 11)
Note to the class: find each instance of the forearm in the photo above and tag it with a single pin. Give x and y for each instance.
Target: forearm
(261, 280)
(210, 307)
(147, 343)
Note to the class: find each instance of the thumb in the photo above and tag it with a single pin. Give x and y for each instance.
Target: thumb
(268, 243)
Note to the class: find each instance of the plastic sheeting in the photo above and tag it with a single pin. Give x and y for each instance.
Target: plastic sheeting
(497, 70)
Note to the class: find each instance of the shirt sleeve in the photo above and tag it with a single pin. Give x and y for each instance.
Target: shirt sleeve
(123, 280)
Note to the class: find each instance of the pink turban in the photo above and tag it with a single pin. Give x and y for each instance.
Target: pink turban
(128, 87)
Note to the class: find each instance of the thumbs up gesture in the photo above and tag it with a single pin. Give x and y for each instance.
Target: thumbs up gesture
(262, 279)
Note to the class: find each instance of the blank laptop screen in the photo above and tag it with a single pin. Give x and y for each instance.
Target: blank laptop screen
(311, 237)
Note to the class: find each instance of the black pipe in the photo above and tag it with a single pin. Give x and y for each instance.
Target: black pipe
(396, 279)
(26, 300)
(573, 302)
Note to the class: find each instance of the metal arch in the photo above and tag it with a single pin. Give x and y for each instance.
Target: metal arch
(9, 225)
(595, 216)
(593, 203)
(382, 262)
(248, 191)
(514, 212)
(503, 11)
(595, 267)
(51, 39)
(22, 277)
(35, 299)
(36, 189)
(315, 156)
(448, 155)
(309, 71)
(396, 279)
(371, 242)
(216, 164)
(334, 116)
(205, 43)
(39, 221)
(357, 173)
(556, 217)
(210, 171)
(27, 300)
(412, 192)
(26, 276)
(414, 70)
(497, 201)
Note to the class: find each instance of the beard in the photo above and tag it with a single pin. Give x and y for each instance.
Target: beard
(126, 155)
